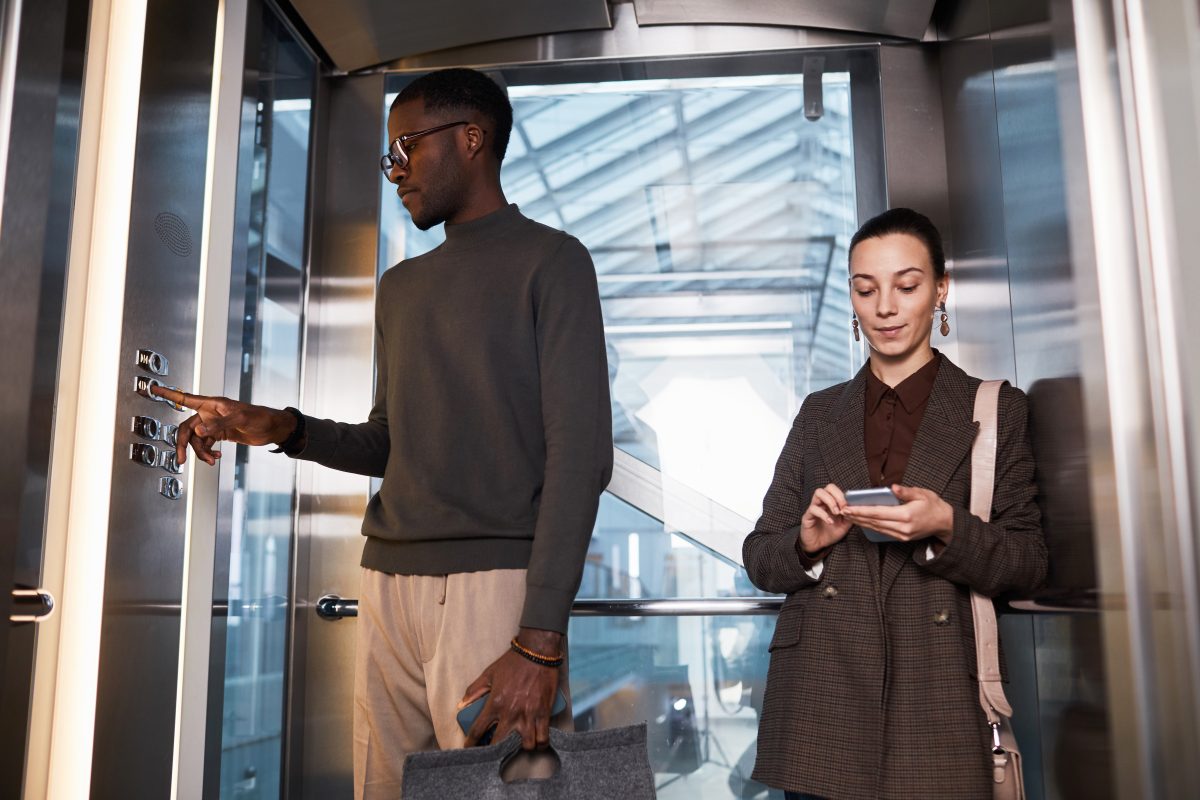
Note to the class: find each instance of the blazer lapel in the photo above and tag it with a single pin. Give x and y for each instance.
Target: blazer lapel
(840, 439)
(943, 442)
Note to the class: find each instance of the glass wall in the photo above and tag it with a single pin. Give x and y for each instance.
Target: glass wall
(258, 581)
(717, 215)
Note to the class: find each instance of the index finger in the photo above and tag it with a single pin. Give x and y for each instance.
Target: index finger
(192, 401)
(886, 513)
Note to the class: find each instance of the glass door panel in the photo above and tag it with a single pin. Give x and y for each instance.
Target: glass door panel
(257, 581)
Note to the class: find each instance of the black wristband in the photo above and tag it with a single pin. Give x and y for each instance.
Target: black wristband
(288, 445)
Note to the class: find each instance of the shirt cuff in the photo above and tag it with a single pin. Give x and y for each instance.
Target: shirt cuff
(930, 554)
(809, 561)
(815, 571)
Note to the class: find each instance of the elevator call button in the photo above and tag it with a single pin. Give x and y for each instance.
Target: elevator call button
(152, 361)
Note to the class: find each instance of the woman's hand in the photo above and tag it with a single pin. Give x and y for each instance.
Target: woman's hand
(823, 524)
(922, 514)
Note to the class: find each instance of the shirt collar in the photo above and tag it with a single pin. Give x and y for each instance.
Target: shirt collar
(913, 391)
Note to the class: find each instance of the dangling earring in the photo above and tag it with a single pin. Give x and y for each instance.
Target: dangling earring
(945, 327)
(854, 327)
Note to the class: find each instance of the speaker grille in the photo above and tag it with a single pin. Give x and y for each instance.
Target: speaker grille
(174, 233)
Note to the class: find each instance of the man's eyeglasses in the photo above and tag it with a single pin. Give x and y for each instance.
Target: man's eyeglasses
(396, 153)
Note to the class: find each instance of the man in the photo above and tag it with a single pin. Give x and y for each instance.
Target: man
(491, 429)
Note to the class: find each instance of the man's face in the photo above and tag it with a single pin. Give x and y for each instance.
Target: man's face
(432, 184)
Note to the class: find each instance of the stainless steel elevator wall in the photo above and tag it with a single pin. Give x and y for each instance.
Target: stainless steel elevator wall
(139, 651)
(338, 383)
(1016, 302)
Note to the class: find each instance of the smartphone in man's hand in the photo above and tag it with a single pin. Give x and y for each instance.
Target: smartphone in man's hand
(466, 717)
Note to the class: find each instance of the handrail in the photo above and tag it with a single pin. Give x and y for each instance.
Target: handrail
(331, 607)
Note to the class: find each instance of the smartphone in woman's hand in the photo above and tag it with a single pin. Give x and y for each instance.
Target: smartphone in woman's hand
(875, 496)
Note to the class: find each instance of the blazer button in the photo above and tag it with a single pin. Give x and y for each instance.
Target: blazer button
(941, 617)
(830, 591)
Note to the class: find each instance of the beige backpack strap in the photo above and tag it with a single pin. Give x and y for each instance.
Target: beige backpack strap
(983, 481)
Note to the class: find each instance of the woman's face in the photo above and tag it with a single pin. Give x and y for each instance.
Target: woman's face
(894, 293)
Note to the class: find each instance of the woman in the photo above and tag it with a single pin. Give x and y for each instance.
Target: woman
(871, 691)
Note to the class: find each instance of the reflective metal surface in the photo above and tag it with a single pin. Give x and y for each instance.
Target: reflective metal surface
(1014, 306)
(248, 683)
(139, 652)
(361, 33)
(1132, 113)
(337, 383)
(331, 607)
(41, 61)
(31, 605)
(905, 18)
(629, 40)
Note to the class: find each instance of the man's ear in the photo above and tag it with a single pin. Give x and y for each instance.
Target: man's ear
(476, 137)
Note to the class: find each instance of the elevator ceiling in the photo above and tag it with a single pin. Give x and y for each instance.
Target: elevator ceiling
(358, 34)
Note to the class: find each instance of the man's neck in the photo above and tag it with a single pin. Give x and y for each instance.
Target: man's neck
(480, 201)
(893, 371)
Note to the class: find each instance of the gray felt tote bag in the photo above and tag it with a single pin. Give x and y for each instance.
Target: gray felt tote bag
(593, 765)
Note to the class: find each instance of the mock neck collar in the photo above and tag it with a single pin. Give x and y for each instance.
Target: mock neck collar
(481, 230)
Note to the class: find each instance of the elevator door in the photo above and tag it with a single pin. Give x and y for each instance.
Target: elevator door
(41, 46)
(252, 583)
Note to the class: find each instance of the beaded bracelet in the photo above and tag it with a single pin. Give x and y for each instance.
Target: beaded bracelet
(535, 657)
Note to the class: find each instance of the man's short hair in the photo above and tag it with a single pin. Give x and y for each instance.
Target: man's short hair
(465, 90)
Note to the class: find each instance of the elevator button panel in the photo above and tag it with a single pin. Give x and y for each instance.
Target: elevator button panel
(164, 435)
(152, 362)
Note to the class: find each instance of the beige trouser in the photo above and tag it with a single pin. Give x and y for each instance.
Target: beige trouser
(421, 640)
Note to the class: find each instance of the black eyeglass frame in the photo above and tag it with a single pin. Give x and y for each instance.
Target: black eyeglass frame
(398, 156)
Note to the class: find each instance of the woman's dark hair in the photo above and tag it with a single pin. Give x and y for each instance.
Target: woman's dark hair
(465, 90)
(905, 220)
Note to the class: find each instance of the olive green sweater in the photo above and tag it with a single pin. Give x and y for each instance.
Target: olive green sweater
(491, 427)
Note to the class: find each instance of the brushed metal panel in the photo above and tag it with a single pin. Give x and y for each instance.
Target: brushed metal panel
(628, 40)
(904, 18)
(975, 239)
(913, 131)
(362, 33)
(338, 383)
(135, 712)
(1042, 290)
(48, 41)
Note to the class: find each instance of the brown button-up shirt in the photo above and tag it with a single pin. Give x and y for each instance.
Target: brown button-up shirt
(893, 416)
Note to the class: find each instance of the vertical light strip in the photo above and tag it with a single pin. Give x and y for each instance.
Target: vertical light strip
(1116, 377)
(212, 321)
(121, 34)
(10, 34)
(1159, 112)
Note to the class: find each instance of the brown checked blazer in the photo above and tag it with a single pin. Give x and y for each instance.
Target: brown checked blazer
(871, 691)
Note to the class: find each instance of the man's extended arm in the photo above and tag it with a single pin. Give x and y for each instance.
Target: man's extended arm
(361, 448)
